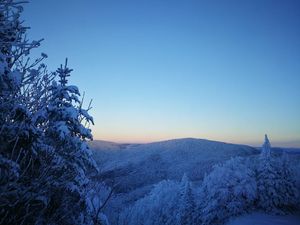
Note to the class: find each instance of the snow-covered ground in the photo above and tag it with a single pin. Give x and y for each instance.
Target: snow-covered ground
(265, 219)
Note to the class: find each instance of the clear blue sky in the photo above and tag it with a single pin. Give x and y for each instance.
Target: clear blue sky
(160, 69)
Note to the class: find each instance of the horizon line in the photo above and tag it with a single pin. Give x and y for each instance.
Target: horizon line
(274, 144)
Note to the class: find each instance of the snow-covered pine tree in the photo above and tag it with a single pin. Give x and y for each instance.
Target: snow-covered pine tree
(67, 134)
(276, 188)
(266, 179)
(266, 150)
(187, 207)
(266, 176)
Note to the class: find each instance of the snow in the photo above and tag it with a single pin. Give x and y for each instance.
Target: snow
(137, 167)
(265, 219)
(185, 152)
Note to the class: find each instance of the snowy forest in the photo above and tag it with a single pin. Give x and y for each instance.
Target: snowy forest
(240, 185)
(53, 173)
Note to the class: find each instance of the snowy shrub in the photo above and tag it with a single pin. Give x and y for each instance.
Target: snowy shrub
(277, 191)
(97, 195)
(169, 202)
(229, 190)
(158, 207)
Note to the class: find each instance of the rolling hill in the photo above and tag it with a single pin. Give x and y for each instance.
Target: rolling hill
(133, 166)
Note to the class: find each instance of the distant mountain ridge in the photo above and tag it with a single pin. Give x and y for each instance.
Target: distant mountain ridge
(145, 164)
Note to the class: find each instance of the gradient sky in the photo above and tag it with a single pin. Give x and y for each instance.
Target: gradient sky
(158, 69)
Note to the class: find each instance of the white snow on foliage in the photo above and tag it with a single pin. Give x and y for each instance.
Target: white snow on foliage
(45, 164)
(229, 190)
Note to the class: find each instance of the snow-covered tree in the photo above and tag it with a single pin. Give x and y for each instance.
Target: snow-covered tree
(159, 207)
(266, 150)
(66, 132)
(276, 186)
(22, 195)
(266, 176)
(187, 208)
(67, 127)
(288, 183)
(229, 190)
(16, 81)
(168, 203)
(43, 155)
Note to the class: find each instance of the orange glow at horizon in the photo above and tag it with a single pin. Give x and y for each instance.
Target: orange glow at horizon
(239, 139)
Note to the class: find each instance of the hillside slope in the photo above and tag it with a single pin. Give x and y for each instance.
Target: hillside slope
(137, 165)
